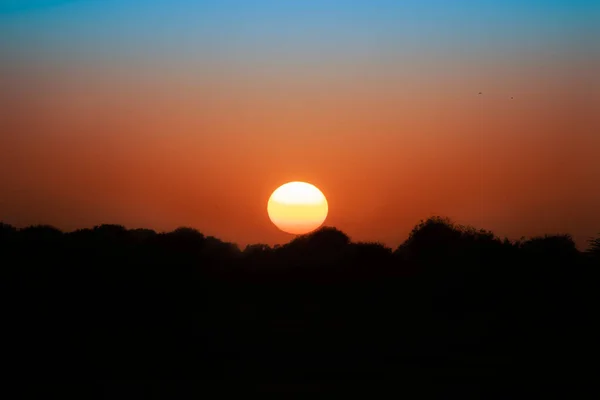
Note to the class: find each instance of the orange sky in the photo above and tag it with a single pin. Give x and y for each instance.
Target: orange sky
(160, 147)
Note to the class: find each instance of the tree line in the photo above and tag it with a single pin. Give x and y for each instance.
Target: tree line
(452, 305)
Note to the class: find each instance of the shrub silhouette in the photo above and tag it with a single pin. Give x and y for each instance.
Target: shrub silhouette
(325, 238)
(41, 234)
(551, 246)
(7, 231)
(257, 249)
(594, 248)
(452, 300)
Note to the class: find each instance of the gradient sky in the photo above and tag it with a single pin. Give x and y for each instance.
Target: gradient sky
(162, 114)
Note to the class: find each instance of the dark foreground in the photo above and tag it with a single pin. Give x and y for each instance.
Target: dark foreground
(453, 311)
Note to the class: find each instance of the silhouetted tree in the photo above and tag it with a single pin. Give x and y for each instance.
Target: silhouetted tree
(186, 235)
(440, 244)
(41, 234)
(142, 235)
(322, 247)
(257, 248)
(451, 301)
(550, 249)
(217, 249)
(594, 247)
(369, 257)
(7, 230)
(184, 240)
(8, 233)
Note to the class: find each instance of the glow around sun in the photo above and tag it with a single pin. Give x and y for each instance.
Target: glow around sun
(297, 207)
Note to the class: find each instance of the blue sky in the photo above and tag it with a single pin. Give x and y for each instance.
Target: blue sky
(304, 28)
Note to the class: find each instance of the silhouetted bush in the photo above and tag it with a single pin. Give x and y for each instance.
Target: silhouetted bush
(451, 300)
(594, 248)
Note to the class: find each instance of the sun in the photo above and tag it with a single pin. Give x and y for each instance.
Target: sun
(297, 207)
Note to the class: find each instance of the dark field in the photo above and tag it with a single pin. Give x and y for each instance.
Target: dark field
(453, 310)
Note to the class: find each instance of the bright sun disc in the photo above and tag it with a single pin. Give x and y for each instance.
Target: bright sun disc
(297, 207)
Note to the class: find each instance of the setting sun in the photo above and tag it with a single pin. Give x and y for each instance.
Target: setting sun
(297, 207)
